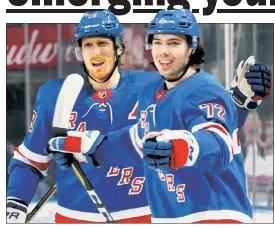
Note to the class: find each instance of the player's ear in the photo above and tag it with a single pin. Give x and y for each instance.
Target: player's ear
(119, 50)
(189, 53)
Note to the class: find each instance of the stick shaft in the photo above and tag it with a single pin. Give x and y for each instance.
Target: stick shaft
(91, 191)
(41, 203)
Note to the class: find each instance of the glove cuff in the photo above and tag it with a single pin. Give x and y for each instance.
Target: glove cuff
(185, 148)
(179, 153)
(242, 100)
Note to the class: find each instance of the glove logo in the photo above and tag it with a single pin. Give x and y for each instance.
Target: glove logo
(88, 134)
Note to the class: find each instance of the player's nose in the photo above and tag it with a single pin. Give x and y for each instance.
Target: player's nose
(96, 51)
(165, 49)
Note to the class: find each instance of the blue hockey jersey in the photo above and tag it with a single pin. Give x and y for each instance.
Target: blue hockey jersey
(120, 187)
(212, 185)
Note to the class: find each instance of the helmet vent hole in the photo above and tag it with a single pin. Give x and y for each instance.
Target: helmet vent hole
(184, 25)
(152, 25)
(168, 14)
(110, 25)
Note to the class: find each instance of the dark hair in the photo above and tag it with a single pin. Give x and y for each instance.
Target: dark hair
(196, 58)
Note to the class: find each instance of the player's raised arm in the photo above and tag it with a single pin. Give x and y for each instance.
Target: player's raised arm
(250, 86)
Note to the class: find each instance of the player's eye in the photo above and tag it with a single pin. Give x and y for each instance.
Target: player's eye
(156, 43)
(174, 43)
(102, 43)
(88, 44)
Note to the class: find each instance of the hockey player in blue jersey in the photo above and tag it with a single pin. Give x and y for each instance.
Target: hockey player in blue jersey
(188, 131)
(100, 44)
(129, 204)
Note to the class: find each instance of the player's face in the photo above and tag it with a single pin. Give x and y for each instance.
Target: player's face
(170, 53)
(99, 56)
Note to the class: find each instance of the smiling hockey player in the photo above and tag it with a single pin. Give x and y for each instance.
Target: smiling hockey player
(110, 108)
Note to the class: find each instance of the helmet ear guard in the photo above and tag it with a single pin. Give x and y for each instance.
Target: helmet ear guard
(195, 42)
(118, 43)
(78, 54)
(149, 41)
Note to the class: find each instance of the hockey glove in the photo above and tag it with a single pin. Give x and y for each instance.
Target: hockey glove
(63, 160)
(169, 149)
(76, 144)
(251, 84)
(16, 210)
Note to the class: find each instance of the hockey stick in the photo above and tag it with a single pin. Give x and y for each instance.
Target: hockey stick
(91, 191)
(44, 199)
(69, 93)
(64, 106)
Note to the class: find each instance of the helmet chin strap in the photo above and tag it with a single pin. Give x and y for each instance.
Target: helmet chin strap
(184, 70)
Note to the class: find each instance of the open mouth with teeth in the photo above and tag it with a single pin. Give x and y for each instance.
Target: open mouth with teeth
(165, 63)
(97, 64)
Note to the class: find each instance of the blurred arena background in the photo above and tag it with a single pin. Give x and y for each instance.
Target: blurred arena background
(39, 52)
